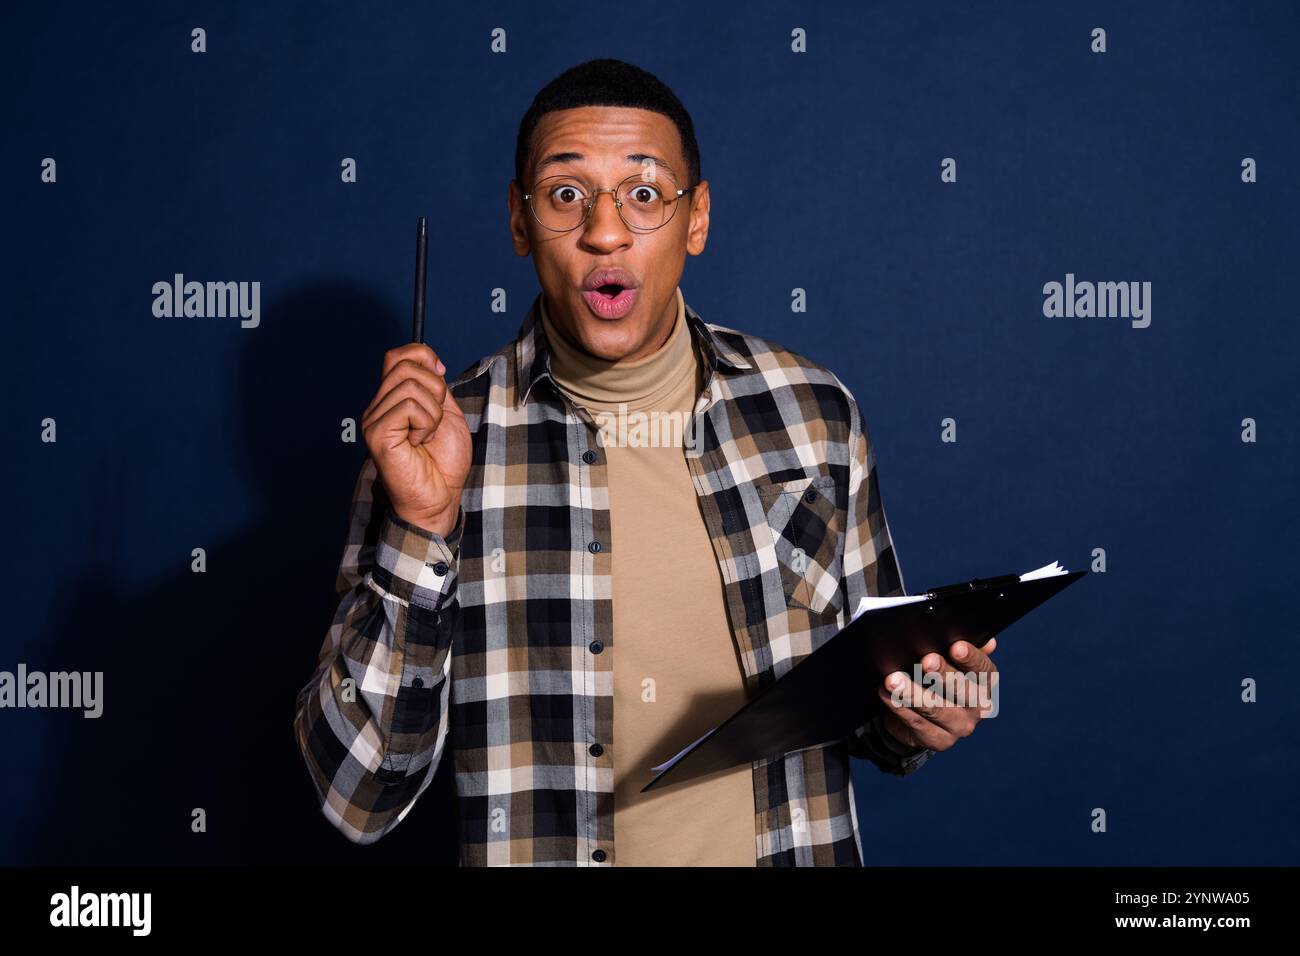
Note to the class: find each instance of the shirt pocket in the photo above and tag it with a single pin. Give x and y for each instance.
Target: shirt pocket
(806, 531)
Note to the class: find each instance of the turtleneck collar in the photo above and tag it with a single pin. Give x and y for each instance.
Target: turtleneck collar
(640, 384)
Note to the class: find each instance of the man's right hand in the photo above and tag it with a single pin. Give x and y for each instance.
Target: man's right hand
(418, 438)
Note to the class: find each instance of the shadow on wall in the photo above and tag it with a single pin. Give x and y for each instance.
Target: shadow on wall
(201, 670)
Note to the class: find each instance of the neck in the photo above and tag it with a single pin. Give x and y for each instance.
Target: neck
(639, 382)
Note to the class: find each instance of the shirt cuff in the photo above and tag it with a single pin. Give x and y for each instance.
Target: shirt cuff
(415, 565)
(877, 744)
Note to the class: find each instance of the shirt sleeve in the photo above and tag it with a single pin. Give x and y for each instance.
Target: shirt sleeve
(871, 570)
(372, 721)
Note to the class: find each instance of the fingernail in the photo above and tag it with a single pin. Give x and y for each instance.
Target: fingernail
(441, 368)
(959, 652)
(893, 681)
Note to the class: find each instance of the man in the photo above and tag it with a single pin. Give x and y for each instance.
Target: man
(543, 585)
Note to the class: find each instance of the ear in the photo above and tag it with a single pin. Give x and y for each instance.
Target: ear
(518, 220)
(698, 232)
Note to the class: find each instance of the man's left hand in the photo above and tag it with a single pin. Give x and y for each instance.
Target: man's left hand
(926, 716)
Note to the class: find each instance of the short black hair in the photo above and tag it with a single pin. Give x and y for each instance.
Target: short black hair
(607, 82)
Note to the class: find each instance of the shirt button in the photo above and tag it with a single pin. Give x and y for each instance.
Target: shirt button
(810, 496)
(594, 547)
(598, 856)
(417, 682)
(440, 568)
(589, 456)
(596, 647)
(595, 750)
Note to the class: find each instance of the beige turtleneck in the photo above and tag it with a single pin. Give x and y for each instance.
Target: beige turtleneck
(676, 671)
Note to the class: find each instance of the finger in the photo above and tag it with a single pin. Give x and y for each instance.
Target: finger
(409, 391)
(404, 370)
(918, 708)
(982, 676)
(926, 732)
(947, 679)
(945, 704)
(933, 660)
(416, 352)
(965, 690)
(413, 386)
(406, 417)
(970, 658)
(432, 384)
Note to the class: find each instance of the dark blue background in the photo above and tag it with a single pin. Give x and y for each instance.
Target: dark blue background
(925, 298)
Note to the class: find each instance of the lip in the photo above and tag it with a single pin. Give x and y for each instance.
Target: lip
(605, 307)
(604, 275)
(610, 307)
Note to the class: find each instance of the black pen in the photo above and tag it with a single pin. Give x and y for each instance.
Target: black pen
(421, 268)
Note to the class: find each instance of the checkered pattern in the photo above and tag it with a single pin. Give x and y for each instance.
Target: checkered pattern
(484, 642)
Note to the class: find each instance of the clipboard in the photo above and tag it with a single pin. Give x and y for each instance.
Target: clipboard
(829, 693)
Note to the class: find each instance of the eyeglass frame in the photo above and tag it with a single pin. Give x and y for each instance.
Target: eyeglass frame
(590, 204)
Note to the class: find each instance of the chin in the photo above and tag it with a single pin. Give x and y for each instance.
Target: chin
(612, 339)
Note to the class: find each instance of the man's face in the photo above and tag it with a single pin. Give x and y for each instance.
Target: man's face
(606, 145)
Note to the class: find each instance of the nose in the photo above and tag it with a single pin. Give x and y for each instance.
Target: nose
(604, 226)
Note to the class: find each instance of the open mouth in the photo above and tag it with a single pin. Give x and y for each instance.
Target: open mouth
(612, 300)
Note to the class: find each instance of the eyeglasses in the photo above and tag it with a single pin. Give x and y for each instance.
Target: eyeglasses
(563, 203)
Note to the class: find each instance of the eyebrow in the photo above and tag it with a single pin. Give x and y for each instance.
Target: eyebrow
(555, 159)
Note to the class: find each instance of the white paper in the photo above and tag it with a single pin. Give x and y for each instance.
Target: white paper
(879, 603)
(1046, 571)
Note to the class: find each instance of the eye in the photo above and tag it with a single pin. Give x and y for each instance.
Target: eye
(644, 193)
(564, 194)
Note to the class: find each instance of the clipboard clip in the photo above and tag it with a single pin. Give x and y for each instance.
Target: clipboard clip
(975, 584)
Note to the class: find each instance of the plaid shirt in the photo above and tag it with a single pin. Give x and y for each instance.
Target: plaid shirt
(497, 640)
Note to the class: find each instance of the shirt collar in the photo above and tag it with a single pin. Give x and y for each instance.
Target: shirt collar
(532, 355)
